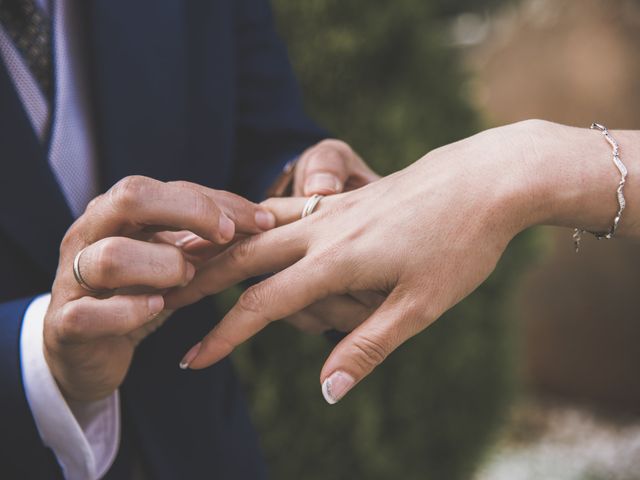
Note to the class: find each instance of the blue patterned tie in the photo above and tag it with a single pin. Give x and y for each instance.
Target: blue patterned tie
(30, 30)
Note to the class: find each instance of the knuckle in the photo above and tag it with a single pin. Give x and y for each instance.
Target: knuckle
(369, 352)
(70, 238)
(204, 209)
(70, 321)
(106, 258)
(331, 258)
(93, 203)
(181, 184)
(252, 300)
(240, 252)
(128, 192)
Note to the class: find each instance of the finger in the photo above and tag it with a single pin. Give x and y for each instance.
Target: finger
(339, 312)
(275, 298)
(368, 298)
(367, 346)
(195, 249)
(248, 217)
(267, 252)
(331, 167)
(120, 262)
(306, 322)
(137, 203)
(287, 209)
(89, 318)
(324, 168)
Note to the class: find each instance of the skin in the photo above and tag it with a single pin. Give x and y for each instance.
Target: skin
(422, 238)
(327, 168)
(142, 238)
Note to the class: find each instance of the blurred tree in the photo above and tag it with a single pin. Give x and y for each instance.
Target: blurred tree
(378, 75)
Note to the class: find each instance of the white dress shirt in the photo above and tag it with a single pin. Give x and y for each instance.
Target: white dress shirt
(83, 436)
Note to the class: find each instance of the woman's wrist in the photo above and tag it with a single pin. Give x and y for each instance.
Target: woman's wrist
(567, 177)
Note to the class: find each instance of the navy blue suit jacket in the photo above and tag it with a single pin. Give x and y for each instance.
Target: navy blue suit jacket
(198, 90)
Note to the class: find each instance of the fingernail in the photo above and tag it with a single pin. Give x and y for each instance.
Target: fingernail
(322, 183)
(186, 239)
(226, 228)
(155, 304)
(190, 356)
(265, 220)
(336, 386)
(189, 274)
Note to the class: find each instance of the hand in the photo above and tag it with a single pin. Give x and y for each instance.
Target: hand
(89, 339)
(330, 167)
(423, 238)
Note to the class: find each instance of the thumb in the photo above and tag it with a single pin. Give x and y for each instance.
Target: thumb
(368, 346)
(324, 169)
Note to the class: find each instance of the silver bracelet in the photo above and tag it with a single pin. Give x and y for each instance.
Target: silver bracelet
(577, 234)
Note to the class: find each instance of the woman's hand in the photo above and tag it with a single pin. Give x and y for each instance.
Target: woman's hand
(424, 238)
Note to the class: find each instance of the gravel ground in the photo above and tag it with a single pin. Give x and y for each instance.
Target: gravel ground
(564, 443)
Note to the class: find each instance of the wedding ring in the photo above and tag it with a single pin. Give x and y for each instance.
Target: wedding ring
(78, 275)
(310, 206)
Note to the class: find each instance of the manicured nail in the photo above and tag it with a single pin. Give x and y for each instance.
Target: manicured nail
(336, 386)
(186, 239)
(265, 220)
(155, 304)
(190, 356)
(324, 183)
(226, 228)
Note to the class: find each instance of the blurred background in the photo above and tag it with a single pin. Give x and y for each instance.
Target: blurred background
(535, 374)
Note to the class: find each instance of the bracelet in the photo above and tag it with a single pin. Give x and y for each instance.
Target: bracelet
(577, 234)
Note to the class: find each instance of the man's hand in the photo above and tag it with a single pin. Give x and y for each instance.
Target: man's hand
(342, 313)
(132, 254)
(330, 167)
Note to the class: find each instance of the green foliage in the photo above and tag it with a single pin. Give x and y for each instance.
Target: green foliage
(377, 75)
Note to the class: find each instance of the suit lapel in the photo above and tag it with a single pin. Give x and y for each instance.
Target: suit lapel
(33, 211)
(138, 68)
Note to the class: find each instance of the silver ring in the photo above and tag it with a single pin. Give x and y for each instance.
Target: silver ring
(310, 206)
(78, 275)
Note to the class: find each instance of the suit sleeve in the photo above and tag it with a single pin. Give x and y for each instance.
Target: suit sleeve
(82, 437)
(22, 453)
(272, 127)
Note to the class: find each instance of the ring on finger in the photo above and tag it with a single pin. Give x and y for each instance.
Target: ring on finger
(78, 275)
(310, 206)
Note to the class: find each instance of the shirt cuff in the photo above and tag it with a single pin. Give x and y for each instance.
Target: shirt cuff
(83, 435)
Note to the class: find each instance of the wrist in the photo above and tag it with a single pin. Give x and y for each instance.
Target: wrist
(566, 177)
